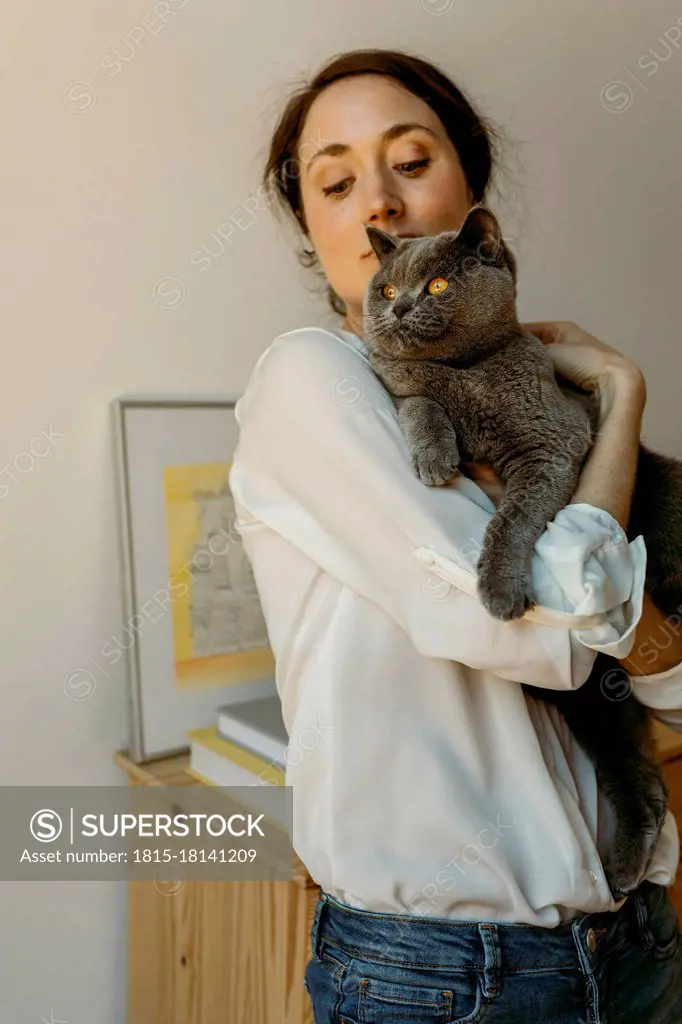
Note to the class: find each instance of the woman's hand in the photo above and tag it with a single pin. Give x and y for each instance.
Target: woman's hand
(607, 477)
(585, 360)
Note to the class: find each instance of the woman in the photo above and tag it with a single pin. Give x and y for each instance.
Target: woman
(451, 821)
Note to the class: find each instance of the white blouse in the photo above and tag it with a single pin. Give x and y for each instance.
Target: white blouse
(425, 781)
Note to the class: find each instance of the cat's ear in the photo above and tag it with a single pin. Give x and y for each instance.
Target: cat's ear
(382, 243)
(482, 233)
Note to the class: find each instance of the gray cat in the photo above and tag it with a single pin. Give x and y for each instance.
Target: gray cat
(440, 320)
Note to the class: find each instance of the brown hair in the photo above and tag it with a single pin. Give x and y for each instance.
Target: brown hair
(472, 135)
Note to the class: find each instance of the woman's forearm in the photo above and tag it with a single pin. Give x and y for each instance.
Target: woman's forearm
(608, 481)
(658, 642)
(608, 476)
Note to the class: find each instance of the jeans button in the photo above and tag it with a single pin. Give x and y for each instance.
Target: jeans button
(591, 940)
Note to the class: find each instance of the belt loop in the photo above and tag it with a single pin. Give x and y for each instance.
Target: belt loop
(493, 958)
(641, 919)
(315, 926)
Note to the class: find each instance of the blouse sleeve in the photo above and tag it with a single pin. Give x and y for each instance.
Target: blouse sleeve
(322, 461)
(662, 692)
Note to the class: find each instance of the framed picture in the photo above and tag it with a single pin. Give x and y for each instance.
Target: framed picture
(194, 635)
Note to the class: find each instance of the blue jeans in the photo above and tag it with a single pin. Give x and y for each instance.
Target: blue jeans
(622, 967)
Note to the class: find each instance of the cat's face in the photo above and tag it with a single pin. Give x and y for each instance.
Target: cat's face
(445, 295)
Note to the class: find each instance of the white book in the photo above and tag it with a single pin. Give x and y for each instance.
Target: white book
(214, 769)
(218, 771)
(257, 725)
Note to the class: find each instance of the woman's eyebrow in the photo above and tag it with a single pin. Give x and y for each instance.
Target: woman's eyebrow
(393, 132)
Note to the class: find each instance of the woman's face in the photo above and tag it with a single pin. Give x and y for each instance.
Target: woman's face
(360, 164)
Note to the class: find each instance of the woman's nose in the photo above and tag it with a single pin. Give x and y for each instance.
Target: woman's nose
(383, 205)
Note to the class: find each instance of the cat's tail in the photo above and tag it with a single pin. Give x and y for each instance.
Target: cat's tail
(656, 513)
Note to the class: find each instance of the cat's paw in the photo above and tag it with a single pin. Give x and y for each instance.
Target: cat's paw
(505, 597)
(632, 848)
(624, 870)
(620, 883)
(436, 464)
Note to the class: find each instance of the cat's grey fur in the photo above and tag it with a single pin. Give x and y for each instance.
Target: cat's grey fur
(471, 385)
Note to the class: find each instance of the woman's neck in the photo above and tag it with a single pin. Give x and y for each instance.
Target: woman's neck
(353, 323)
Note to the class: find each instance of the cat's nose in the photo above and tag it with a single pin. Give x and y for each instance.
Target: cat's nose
(402, 306)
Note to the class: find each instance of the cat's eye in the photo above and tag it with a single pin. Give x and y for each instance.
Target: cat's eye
(388, 291)
(437, 286)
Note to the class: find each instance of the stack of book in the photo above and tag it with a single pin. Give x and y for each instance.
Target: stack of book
(245, 747)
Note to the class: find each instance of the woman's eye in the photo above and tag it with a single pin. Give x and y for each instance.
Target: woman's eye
(414, 165)
(437, 286)
(388, 291)
(411, 168)
(337, 189)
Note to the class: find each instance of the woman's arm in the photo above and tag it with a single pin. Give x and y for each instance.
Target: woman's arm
(654, 626)
(326, 466)
(608, 477)
(608, 480)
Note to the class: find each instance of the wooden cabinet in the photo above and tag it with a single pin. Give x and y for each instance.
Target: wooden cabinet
(235, 952)
(216, 952)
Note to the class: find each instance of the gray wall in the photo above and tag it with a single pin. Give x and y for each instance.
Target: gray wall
(114, 172)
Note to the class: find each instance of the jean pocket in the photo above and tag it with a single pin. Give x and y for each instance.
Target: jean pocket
(456, 1001)
(323, 987)
(663, 922)
(333, 961)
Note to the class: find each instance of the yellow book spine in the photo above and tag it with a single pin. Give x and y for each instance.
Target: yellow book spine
(209, 737)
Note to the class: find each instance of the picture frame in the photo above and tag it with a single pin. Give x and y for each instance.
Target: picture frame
(193, 635)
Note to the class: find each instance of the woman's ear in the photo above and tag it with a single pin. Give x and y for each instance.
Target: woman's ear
(309, 247)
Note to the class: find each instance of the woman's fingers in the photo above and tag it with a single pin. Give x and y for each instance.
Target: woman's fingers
(579, 355)
(540, 329)
(552, 331)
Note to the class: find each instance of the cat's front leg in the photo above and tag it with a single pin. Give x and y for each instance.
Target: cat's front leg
(431, 438)
(533, 495)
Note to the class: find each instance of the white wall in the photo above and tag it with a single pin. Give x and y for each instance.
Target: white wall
(109, 184)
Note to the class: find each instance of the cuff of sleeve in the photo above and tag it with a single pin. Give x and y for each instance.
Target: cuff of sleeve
(592, 569)
(661, 691)
(586, 576)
